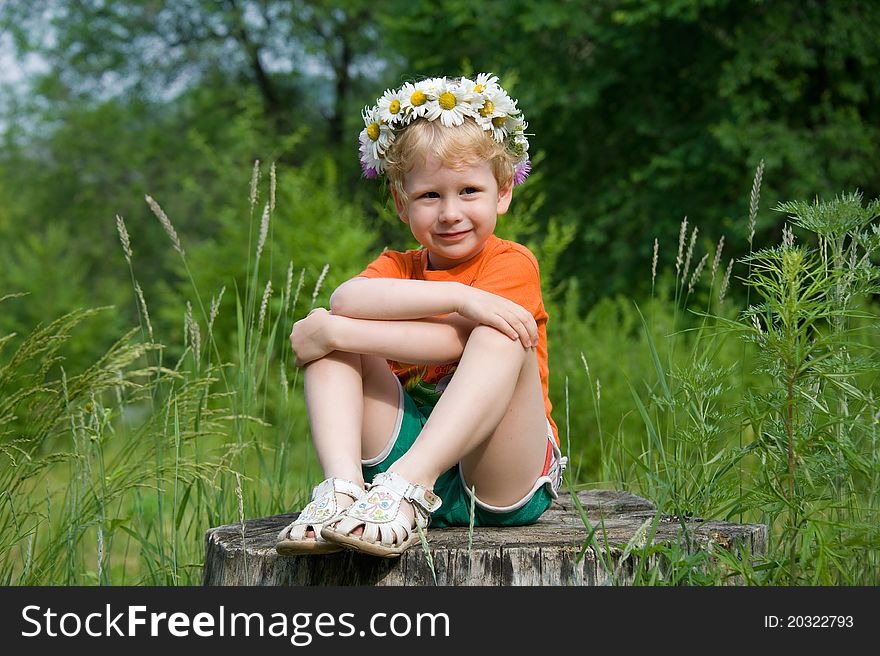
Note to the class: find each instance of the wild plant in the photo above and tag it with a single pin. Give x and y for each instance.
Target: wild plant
(782, 431)
(814, 419)
(112, 475)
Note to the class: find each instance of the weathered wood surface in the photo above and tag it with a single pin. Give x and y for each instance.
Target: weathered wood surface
(545, 553)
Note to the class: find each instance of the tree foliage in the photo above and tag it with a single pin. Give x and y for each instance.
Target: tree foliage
(648, 111)
(642, 112)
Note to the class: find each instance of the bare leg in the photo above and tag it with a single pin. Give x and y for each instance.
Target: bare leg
(352, 404)
(491, 418)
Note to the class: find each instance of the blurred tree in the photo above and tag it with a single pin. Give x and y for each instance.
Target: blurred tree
(304, 58)
(171, 99)
(650, 110)
(645, 110)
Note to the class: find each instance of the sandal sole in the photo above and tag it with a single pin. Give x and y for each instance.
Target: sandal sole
(371, 548)
(309, 547)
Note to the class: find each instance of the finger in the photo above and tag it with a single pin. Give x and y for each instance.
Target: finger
(531, 328)
(524, 336)
(516, 323)
(504, 327)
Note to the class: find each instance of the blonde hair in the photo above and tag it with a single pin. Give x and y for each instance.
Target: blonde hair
(455, 147)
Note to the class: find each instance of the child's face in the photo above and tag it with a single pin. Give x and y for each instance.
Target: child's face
(452, 212)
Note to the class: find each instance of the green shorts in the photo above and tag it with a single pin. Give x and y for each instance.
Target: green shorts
(450, 486)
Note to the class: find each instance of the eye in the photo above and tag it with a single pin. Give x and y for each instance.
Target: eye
(430, 194)
(470, 190)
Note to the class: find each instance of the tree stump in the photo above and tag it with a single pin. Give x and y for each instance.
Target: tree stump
(545, 553)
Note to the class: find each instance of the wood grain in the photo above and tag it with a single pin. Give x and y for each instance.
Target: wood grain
(550, 552)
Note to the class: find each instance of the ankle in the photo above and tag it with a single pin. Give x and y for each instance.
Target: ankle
(414, 475)
(352, 475)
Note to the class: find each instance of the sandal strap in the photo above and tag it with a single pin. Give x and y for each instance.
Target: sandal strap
(322, 509)
(385, 525)
(342, 485)
(419, 495)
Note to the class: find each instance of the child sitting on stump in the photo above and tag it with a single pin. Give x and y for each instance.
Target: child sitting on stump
(428, 377)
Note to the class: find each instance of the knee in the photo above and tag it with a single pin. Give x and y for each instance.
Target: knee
(487, 338)
(333, 358)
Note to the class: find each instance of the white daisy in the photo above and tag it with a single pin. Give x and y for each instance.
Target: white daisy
(415, 98)
(476, 92)
(468, 85)
(486, 83)
(391, 106)
(506, 124)
(451, 106)
(369, 155)
(496, 106)
(430, 86)
(377, 130)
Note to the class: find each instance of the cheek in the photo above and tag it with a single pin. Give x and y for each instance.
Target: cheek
(418, 227)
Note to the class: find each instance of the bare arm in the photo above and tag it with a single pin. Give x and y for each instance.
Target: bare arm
(395, 299)
(426, 341)
(392, 298)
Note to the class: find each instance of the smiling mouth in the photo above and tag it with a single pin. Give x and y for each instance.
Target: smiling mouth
(453, 235)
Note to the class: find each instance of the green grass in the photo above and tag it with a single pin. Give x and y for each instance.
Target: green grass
(761, 413)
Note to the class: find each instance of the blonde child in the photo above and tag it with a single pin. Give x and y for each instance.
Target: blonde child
(428, 376)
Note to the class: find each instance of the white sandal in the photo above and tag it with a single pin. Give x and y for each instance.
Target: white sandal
(387, 532)
(321, 510)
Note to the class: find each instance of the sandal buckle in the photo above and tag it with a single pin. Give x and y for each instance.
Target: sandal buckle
(419, 495)
(424, 497)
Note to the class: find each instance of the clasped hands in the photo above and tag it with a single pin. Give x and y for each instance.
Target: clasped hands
(311, 337)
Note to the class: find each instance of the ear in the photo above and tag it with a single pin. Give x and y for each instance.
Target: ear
(505, 195)
(401, 208)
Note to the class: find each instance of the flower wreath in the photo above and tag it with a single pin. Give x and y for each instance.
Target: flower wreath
(450, 100)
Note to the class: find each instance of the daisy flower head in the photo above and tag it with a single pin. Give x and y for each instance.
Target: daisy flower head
(390, 106)
(476, 91)
(371, 165)
(473, 92)
(486, 83)
(468, 85)
(415, 98)
(373, 140)
(451, 105)
(506, 126)
(378, 131)
(494, 110)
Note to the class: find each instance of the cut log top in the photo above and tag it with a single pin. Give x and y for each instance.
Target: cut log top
(545, 553)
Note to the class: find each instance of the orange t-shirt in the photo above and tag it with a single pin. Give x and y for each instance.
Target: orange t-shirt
(504, 268)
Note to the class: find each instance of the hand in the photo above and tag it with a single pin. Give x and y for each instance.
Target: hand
(310, 337)
(502, 314)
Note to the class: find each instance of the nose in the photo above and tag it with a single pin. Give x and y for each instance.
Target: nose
(450, 212)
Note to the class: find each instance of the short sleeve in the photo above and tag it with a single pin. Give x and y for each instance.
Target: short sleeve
(514, 275)
(390, 264)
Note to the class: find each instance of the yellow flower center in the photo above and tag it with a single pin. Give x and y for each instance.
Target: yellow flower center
(498, 121)
(418, 98)
(394, 107)
(373, 131)
(447, 100)
(487, 108)
(480, 88)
